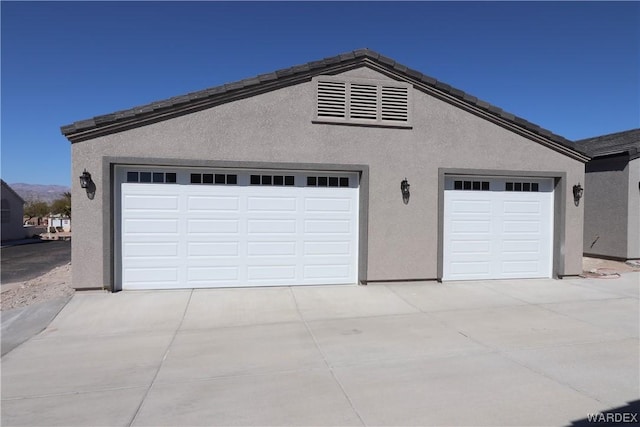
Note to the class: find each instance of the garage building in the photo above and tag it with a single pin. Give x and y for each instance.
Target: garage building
(351, 169)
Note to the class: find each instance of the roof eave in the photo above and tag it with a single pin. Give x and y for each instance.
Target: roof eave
(12, 191)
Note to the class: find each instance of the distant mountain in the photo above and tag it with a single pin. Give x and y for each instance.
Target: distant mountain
(45, 193)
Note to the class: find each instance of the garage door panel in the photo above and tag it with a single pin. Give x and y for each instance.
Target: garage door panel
(212, 204)
(466, 227)
(470, 206)
(520, 267)
(148, 249)
(271, 226)
(271, 248)
(521, 227)
(325, 226)
(522, 207)
(464, 268)
(198, 276)
(327, 205)
(521, 246)
(143, 275)
(334, 272)
(212, 226)
(271, 272)
(272, 204)
(212, 249)
(472, 247)
(151, 226)
(151, 203)
(325, 248)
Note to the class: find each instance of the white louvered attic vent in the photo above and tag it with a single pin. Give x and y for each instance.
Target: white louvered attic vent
(373, 102)
(363, 102)
(395, 104)
(332, 97)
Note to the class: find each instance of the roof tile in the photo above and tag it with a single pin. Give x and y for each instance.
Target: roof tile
(316, 64)
(507, 116)
(234, 86)
(470, 98)
(300, 68)
(429, 80)
(252, 81)
(386, 60)
(332, 60)
(495, 110)
(372, 54)
(483, 104)
(360, 52)
(457, 93)
(415, 74)
(267, 77)
(443, 86)
(400, 67)
(347, 56)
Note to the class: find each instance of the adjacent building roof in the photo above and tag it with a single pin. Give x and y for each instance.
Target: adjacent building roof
(6, 187)
(613, 143)
(195, 101)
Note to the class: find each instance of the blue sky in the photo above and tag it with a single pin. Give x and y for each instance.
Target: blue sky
(573, 68)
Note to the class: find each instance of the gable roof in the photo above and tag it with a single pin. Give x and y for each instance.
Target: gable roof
(6, 187)
(613, 143)
(207, 98)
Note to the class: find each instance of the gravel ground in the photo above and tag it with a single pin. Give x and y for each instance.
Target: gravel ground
(53, 284)
(57, 282)
(606, 266)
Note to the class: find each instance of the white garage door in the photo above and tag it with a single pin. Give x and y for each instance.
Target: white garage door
(203, 229)
(497, 228)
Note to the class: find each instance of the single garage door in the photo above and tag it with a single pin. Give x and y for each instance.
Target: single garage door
(497, 228)
(197, 228)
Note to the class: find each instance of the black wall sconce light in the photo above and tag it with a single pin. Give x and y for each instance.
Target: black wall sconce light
(87, 183)
(85, 179)
(404, 187)
(577, 193)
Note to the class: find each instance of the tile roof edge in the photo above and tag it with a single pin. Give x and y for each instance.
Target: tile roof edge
(157, 108)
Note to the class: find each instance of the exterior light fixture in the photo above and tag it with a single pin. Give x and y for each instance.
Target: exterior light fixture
(577, 193)
(85, 179)
(404, 187)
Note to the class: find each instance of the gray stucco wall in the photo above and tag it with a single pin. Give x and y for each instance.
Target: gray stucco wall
(633, 233)
(605, 205)
(277, 127)
(13, 228)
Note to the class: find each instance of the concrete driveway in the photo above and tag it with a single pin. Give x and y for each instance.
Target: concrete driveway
(528, 352)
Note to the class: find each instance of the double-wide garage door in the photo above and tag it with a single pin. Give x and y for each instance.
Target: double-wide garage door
(189, 228)
(497, 228)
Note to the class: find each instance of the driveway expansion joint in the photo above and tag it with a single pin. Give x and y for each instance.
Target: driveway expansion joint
(164, 357)
(326, 362)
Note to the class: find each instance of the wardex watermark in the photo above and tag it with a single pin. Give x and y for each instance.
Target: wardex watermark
(613, 417)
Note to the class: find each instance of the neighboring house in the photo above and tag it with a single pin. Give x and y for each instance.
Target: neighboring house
(12, 213)
(612, 195)
(60, 222)
(346, 170)
(38, 220)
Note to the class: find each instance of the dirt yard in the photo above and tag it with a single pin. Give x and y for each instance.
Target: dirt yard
(53, 284)
(604, 268)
